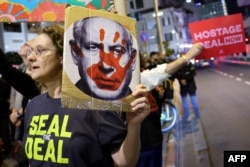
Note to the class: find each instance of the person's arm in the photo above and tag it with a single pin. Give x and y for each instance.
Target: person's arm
(152, 78)
(129, 151)
(174, 66)
(22, 82)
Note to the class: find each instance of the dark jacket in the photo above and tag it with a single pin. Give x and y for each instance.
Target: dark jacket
(187, 73)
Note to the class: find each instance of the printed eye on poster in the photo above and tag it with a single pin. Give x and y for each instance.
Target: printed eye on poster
(221, 36)
(101, 63)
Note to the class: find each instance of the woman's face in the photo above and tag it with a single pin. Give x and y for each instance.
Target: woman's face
(46, 65)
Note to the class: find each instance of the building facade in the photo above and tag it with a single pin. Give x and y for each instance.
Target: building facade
(174, 17)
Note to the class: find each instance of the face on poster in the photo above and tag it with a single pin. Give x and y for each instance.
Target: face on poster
(220, 36)
(100, 58)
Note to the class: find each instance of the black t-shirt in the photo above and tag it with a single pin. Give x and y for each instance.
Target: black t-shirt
(56, 136)
(151, 134)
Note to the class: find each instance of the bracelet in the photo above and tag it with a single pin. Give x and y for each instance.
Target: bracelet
(185, 59)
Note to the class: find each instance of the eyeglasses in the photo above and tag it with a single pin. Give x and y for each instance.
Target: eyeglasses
(39, 51)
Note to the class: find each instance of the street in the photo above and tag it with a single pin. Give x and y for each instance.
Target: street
(224, 98)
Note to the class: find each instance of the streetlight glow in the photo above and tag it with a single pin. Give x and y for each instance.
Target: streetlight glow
(159, 14)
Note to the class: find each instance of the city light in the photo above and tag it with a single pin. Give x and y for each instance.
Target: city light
(159, 14)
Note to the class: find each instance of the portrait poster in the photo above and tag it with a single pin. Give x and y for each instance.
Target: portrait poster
(101, 60)
(221, 36)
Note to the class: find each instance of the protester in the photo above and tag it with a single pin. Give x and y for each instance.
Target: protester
(154, 58)
(186, 77)
(75, 137)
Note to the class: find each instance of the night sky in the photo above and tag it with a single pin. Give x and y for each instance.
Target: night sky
(233, 8)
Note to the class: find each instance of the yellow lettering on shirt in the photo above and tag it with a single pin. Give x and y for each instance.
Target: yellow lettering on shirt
(54, 126)
(60, 159)
(28, 147)
(45, 140)
(37, 149)
(41, 125)
(50, 152)
(64, 132)
(33, 125)
(36, 154)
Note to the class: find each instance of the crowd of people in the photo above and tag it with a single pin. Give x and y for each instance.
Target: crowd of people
(151, 134)
(186, 78)
(53, 135)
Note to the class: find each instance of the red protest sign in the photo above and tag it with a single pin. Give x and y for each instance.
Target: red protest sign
(220, 36)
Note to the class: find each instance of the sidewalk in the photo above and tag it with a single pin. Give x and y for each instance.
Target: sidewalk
(192, 146)
(186, 145)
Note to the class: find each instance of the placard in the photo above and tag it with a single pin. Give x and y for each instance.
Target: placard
(101, 61)
(221, 36)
